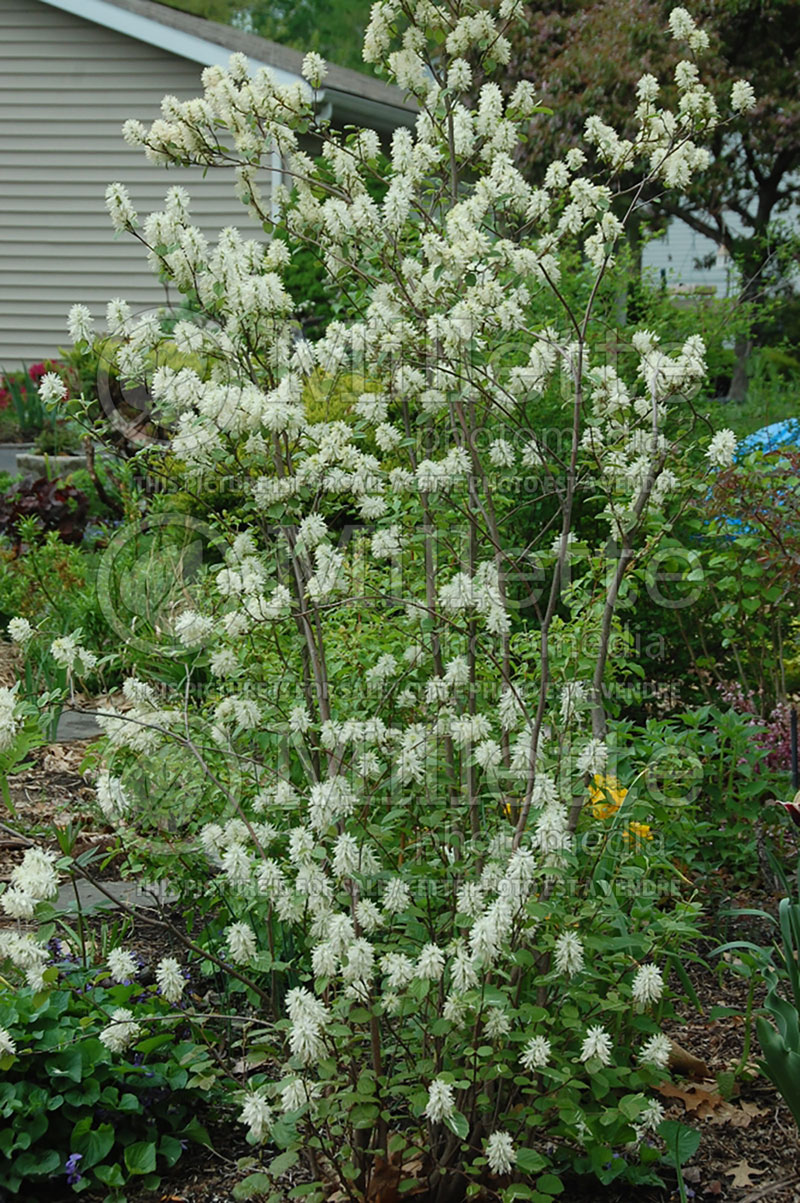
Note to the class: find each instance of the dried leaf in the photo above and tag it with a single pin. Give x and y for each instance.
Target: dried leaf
(681, 1061)
(697, 1101)
(742, 1174)
(753, 1109)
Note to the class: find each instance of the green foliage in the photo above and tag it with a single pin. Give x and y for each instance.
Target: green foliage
(54, 586)
(18, 392)
(72, 1111)
(333, 28)
(780, 1039)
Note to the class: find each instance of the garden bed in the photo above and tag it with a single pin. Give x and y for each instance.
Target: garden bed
(749, 1144)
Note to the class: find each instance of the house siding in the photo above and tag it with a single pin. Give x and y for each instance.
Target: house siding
(66, 87)
(673, 258)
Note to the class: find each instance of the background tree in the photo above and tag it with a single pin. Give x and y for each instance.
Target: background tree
(587, 55)
(333, 28)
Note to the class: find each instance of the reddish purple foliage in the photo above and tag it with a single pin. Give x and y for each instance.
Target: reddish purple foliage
(775, 733)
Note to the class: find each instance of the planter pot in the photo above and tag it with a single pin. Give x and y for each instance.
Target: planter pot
(51, 466)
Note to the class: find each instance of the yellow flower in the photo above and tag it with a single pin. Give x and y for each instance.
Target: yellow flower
(606, 795)
(639, 831)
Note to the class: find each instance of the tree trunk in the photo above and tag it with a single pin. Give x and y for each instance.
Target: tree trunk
(738, 386)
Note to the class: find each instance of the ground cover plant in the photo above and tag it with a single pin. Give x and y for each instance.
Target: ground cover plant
(372, 737)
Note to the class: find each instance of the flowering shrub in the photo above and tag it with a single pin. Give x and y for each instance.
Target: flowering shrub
(383, 761)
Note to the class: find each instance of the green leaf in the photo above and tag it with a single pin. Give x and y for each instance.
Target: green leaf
(110, 1175)
(195, 1131)
(458, 1124)
(682, 1142)
(170, 1148)
(283, 1162)
(67, 1064)
(252, 1186)
(530, 1161)
(37, 1164)
(92, 1143)
(140, 1157)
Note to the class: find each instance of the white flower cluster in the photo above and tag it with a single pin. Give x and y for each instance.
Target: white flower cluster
(25, 954)
(70, 654)
(10, 718)
(33, 881)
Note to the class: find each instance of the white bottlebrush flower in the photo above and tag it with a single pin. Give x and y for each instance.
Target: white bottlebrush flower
(459, 75)
(20, 631)
(430, 963)
(36, 875)
(743, 98)
(399, 970)
(656, 1051)
(241, 942)
(463, 972)
(597, 1043)
(368, 915)
(17, 904)
(386, 543)
(9, 719)
(573, 694)
(396, 896)
(500, 1153)
(52, 388)
(535, 1054)
(313, 529)
(121, 1032)
(324, 960)
(314, 69)
(122, 965)
(68, 653)
(7, 1044)
(360, 961)
(681, 23)
(509, 709)
(441, 1101)
(568, 953)
(649, 1119)
(118, 315)
(296, 1093)
(80, 324)
(470, 899)
(648, 985)
(192, 628)
(299, 719)
(488, 755)
(120, 209)
(497, 1023)
(111, 797)
(721, 449)
(34, 977)
(169, 979)
(257, 1114)
(592, 758)
(502, 454)
(455, 1009)
(223, 663)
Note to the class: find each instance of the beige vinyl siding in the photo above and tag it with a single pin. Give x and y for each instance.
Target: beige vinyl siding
(66, 86)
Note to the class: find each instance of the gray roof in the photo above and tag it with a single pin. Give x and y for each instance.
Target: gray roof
(353, 97)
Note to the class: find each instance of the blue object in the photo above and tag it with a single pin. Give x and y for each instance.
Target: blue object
(771, 438)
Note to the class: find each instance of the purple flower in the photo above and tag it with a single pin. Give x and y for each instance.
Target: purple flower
(71, 1168)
